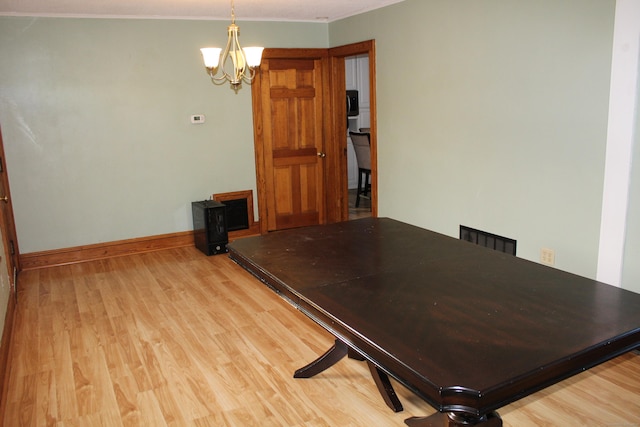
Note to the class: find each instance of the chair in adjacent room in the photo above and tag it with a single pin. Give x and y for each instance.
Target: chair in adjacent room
(362, 148)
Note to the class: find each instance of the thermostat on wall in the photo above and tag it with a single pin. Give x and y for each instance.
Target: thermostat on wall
(197, 118)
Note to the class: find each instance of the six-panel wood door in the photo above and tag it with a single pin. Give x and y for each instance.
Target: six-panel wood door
(289, 125)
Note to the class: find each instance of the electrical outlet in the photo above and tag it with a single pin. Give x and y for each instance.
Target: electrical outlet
(547, 256)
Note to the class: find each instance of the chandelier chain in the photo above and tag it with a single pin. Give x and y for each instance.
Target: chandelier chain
(233, 12)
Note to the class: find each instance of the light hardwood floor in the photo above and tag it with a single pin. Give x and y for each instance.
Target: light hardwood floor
(362, 211)
(176, 338)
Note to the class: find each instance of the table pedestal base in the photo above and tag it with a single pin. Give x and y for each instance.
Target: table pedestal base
(334, 355)
(328, 359)
(440, 419)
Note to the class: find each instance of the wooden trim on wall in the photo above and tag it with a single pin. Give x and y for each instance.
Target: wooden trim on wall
(78, 254)
(34, 260)
(254, 228)
(336, 160)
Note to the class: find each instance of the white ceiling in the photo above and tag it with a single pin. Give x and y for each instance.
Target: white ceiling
(246, 10)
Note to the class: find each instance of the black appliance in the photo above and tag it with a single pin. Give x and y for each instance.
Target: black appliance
(210, 227)
(353, 108)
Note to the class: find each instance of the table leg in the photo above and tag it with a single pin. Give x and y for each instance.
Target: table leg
(355, 355)
(330, 358)
(450, 419)
(385, 388)
(335, 354)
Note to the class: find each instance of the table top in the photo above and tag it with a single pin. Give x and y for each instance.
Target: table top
(466, 328)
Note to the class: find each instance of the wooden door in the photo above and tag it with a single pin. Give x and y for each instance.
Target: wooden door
(7, 222)
(290, 126)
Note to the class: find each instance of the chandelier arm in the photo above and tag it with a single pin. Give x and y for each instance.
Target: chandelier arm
(240, 65)
(220, 79)
(252, 73)
(225, 55)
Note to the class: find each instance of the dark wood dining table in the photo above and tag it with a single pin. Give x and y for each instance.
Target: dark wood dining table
(466, 328)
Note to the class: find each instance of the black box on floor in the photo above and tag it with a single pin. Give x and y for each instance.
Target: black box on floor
(210, 227)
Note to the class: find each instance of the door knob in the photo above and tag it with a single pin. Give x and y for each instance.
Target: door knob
(322, 155)
(4, 199)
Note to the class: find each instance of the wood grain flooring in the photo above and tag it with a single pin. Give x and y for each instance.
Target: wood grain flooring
(175, 338)
(362, 211)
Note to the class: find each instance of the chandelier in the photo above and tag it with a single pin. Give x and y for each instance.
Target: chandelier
(243, 60)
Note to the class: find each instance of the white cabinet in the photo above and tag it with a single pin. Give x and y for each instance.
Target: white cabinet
(351, 73)
(352, 166)
(357, 78)
(362, 82)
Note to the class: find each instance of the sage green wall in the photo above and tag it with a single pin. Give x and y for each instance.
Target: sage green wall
(493, 114)
(96, 113)
(631, 264)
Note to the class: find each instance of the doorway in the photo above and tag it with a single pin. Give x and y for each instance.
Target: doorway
(342, 61)
(9, 267)
(358, 131)
(7, 225)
